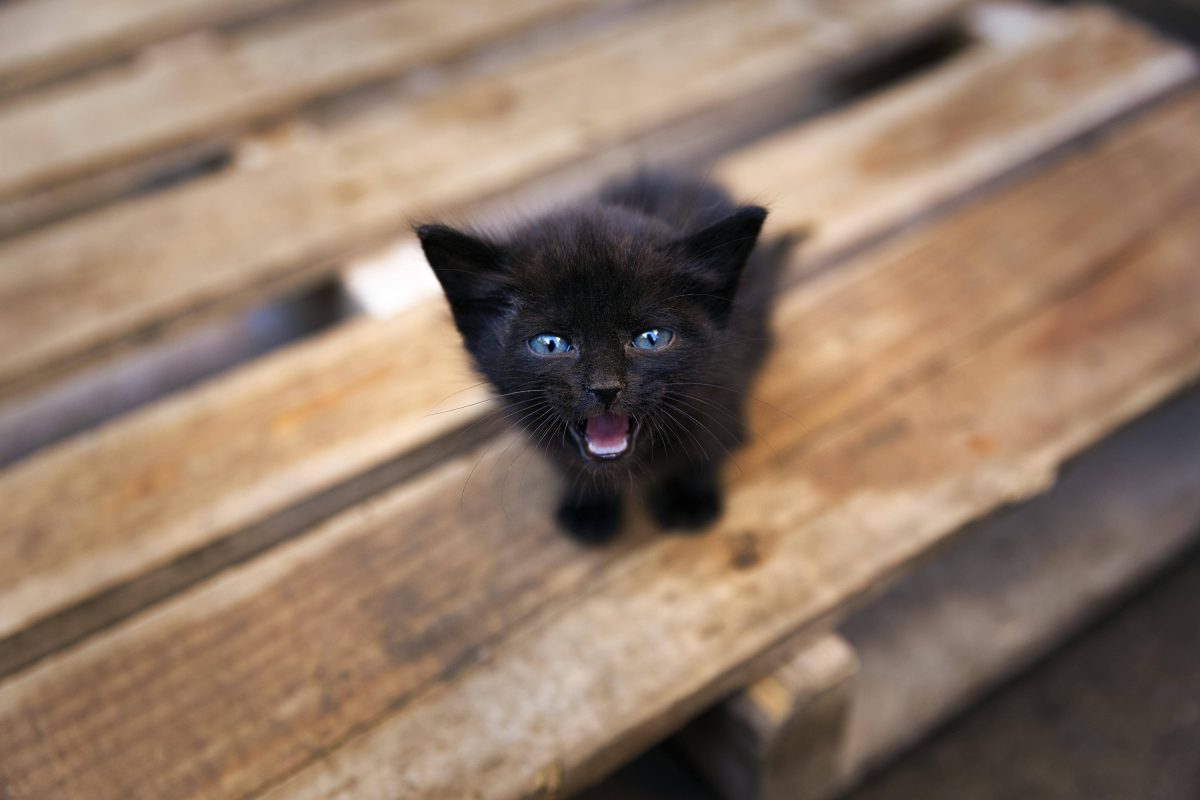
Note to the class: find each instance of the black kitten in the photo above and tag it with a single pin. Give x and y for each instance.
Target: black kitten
(618, 328)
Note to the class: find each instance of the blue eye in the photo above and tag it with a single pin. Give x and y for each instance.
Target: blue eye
(548, 344)
(653, 339)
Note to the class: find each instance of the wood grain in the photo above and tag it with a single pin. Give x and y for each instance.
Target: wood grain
(222, 243)
(42, 38)
(428, 645)
(319, 414)
(240, 80)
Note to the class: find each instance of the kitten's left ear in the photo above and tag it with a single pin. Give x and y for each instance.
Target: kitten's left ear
(471, 274)
(717, 254)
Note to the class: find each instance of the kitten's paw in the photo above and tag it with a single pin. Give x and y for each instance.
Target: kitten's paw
(686, 504)
(590, 520)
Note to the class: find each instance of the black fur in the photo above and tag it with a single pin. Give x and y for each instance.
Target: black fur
(652, 251)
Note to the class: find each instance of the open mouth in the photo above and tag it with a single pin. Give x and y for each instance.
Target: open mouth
(607, 436)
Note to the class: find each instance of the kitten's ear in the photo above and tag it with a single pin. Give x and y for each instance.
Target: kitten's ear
(717, 254)
(471, 273)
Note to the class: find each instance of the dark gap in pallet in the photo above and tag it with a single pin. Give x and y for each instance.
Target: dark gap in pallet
(921, 56)
(1176, 19)
(181, 173)
(91, 397)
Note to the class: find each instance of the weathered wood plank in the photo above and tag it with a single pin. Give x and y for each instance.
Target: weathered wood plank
(221, 243)
(242, 79)
(981, 609)
(273, 664)
(317, 415)
(42, 38)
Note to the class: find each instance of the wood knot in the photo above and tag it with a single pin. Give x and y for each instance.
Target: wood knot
(744, 550)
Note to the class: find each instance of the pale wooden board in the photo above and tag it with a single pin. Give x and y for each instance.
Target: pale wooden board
(40, 38)
(322, 412)
(222, 243)
(165, 103)
(979, 610)
(485, 654)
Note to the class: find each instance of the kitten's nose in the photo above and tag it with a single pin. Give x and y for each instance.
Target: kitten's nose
(605, 393)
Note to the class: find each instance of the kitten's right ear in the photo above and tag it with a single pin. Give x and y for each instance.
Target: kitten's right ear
(471, 273)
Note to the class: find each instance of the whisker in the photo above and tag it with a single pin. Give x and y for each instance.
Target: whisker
(760, 435)
(481, 402)
(705, 428)
(716, 438)
(738, 391)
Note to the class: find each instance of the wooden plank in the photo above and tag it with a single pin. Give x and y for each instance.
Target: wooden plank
(782, 737)
(981, 609)
(319, 414)
(224, 242)
(240, 80)
(477, 650)
(42, 38)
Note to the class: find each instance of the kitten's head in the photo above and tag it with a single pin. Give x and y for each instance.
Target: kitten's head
(583, 321)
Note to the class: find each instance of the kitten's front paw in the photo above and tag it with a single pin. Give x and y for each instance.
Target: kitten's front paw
(686, 504)
(591, 520)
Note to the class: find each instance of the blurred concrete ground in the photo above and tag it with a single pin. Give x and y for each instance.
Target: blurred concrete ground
(1112, 715)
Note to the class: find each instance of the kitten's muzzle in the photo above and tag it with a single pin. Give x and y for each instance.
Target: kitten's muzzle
(605, 437)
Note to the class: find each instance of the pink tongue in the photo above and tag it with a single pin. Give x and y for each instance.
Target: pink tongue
(608, 431)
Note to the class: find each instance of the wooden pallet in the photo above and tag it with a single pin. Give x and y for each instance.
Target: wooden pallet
(273, 584)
